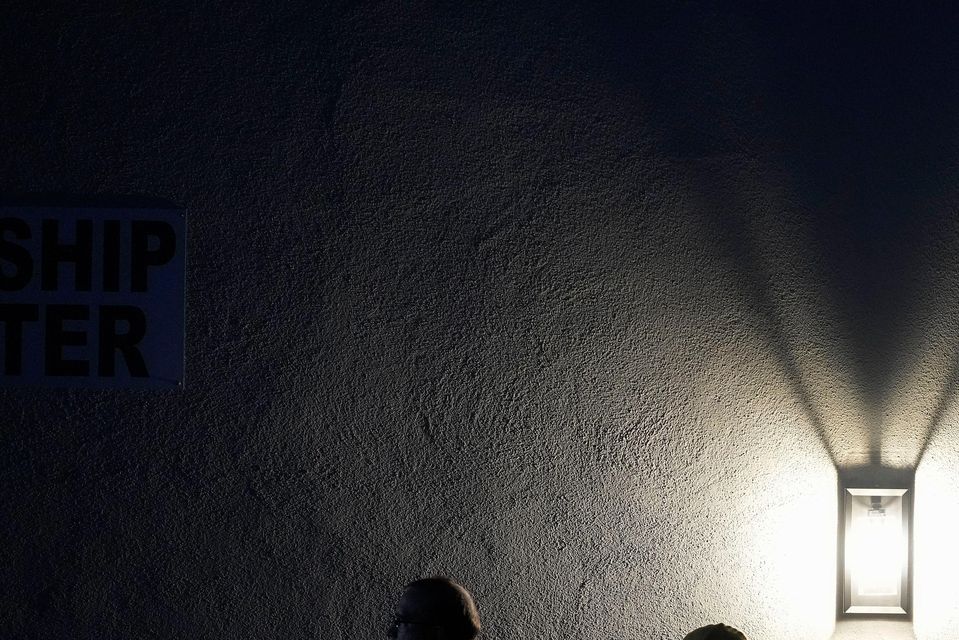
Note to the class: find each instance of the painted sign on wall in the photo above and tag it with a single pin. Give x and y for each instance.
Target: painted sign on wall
(91, 297)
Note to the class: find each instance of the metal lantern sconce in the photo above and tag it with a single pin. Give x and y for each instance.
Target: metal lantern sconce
(875, 551)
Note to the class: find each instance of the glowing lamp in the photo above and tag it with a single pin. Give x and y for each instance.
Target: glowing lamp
(876, 551)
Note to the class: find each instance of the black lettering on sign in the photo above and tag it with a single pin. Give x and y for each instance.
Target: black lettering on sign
(80, 253)
(111, 255)
(126, 343)
(14, 254)
(13, 316)
(58, 337)
(91, 297)
(143, 232)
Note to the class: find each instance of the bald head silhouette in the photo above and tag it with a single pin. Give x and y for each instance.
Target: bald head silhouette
(435, 609)
(716, 632)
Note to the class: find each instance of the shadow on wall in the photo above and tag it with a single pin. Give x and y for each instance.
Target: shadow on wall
(740, 249)
(843, 145)
(865, 414)
(86, 200)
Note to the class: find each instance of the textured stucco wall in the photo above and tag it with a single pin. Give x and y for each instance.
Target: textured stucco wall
(936, 614)
(451, 308)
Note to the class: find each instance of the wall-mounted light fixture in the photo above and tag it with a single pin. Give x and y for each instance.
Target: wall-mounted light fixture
(876, 551)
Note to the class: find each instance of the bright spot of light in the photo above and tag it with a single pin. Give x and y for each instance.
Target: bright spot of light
(802, 548)
(876, 551)
(875, 555)
(936, 540)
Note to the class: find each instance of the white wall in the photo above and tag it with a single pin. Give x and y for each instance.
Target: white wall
(936, 614)
(450, 309)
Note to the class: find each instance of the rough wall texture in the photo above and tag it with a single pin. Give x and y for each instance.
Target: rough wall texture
(936, 521)
(458, 302)
(873, 630)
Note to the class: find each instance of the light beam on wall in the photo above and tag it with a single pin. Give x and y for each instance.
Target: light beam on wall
(876, 551)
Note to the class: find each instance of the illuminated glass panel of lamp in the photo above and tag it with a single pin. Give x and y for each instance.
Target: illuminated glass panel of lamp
(876, 551)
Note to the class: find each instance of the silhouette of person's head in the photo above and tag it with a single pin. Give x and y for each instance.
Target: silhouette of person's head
(435, 609)
(716, 632)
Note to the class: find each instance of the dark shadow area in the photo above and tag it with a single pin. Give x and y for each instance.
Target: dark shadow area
(855, 106)
(85, 200)
(737, 248)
